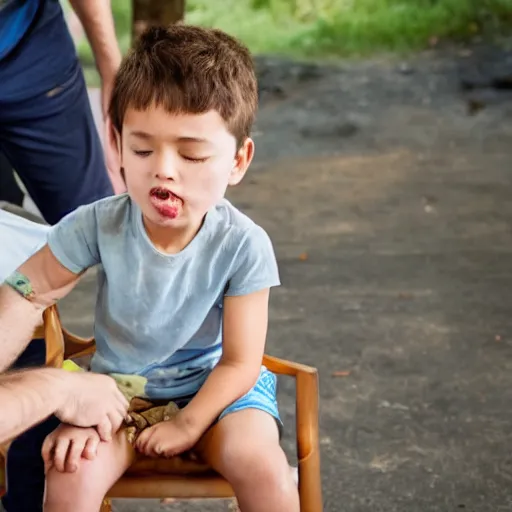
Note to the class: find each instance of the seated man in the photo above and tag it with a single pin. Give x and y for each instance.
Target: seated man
(30, 396)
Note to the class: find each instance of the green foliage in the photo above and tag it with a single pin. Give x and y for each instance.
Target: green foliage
(351, 27)
(320, 28)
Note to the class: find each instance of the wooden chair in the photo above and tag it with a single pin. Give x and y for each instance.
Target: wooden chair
(181, 479)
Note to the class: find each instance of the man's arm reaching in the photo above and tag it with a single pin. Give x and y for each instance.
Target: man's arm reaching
(82, 399)
(27, 398)
(36, 285)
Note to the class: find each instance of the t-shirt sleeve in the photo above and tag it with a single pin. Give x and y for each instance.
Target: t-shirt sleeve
(74, 240)
(255, 267)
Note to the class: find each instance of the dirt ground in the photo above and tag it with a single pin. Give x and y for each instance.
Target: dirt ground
(389, 207)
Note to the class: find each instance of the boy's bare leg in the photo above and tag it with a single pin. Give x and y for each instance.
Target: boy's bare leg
(84, 490)
(244, 448)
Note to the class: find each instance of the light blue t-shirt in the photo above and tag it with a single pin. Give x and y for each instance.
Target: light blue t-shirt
(159, 315)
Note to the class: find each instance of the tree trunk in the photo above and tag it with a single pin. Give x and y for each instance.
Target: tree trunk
(147, 13)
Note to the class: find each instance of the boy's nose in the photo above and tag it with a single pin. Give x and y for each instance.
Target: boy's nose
(166, 168)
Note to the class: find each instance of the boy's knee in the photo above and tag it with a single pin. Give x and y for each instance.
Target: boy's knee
(65, 491)
(258, 466)
(60, 492)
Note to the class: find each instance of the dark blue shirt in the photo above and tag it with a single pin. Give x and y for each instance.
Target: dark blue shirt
(16, 17)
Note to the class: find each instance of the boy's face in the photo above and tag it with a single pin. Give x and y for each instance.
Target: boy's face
(177, 166)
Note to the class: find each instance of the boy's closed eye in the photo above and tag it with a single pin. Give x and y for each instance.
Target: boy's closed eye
(142, 154)
(147, 153)
(197, 160)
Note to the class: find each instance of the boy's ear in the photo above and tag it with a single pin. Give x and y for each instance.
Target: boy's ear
(113, 137)
(243, 159)
(112, 145)
(114, 160)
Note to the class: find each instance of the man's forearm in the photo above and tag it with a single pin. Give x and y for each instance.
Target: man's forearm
(28, 397)
(98, 22)
(18, 319)
(226, 383)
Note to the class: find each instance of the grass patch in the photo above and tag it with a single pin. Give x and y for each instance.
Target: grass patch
(335, 28)
(311, 28)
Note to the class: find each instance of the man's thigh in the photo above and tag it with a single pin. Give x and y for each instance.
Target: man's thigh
(25, 468)
(47, 130)
(52, 142)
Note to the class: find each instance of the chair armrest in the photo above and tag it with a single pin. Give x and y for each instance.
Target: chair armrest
(53, 337)
(60, 343)
(284, 367)
(306, 402)
(307, 414)
(75, 346)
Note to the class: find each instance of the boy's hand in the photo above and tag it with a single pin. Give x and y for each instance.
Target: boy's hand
(66, 445)
(167, 439)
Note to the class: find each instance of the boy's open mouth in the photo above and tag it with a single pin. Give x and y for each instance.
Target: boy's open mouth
(165, 202)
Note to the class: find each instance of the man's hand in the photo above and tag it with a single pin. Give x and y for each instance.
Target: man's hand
(93, 400)
(66, 445)
(167, 439)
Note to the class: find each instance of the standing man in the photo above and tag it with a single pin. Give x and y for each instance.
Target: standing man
(47, 133)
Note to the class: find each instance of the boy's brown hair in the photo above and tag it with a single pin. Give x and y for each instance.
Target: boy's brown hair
(188, 69)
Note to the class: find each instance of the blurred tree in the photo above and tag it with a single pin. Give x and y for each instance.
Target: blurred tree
(147, 13)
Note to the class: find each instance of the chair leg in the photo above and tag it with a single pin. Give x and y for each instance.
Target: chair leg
(310, 483)
(106, 506)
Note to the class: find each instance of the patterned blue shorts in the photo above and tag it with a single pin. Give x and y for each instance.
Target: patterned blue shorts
(262, 396)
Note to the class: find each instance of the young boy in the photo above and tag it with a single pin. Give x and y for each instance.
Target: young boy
(184, 277)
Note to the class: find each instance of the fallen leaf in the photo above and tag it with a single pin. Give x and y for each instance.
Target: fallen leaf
(303, 256)
(342, 373)
(433, 41)
(473, 28)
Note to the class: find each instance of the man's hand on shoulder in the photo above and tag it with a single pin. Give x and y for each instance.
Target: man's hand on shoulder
(92, 400)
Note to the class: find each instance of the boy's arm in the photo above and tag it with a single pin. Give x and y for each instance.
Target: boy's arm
(245, 330)
(36, 285)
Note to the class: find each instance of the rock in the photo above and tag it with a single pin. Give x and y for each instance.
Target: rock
(492, 70)
(276, 76)
(405, 69)
(474, 106)
(342, 129)
(479, 99)
(275, 90)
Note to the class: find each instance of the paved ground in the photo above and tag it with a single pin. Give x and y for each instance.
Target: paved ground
(390, 212)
